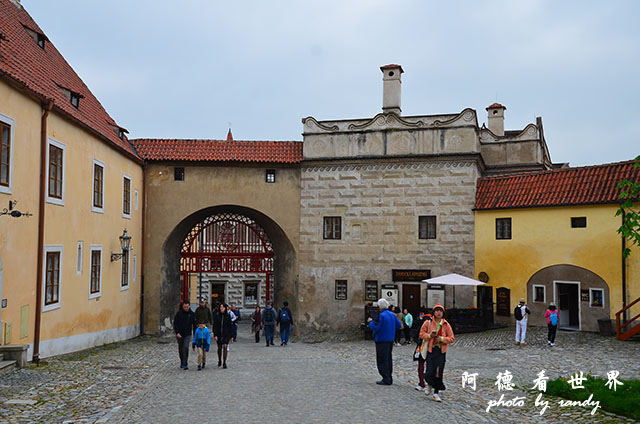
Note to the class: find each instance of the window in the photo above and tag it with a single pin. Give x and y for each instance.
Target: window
(98, 186)
(271, 176)
(52, 277)
(332, 228)
(503, 228)
(5, 154)
(79, 258)
(427, 227)
(579, 222)
(178, 174)
(341, 289)
(95, 285)
(55, 158)
(124, 279)
(371, 290)
(596, 298)
(75, 99)
(37, 37)
(126, 196)
(251, 294)
(539, 294)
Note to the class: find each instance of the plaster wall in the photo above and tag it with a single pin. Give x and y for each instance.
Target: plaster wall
(174, 207)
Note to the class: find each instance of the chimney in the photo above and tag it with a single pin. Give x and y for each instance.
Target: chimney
(495, 120)
(391, 88)
(17, 3)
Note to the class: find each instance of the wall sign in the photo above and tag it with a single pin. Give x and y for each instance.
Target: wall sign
(584, 295)
(410, 274)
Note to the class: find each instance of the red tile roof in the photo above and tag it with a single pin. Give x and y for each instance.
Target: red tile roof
(42, 72)
(219, 150)
(557, 187)
(495, 105)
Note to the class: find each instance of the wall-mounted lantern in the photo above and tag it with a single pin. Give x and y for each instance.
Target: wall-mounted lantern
(12, 212)
(125, 244)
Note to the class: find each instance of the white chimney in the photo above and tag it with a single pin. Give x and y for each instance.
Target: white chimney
(17, 3)
(391, 88)
(495, 120)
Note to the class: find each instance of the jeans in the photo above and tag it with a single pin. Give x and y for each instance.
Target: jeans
(183, 349)
(268, 333)
(284, 332)
(384, 360)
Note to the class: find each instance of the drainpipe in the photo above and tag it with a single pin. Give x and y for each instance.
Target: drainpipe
(624, 276)
(47, 105)
(144, 232)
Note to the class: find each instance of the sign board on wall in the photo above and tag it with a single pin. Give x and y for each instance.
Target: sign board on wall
(435, 294)
(410, 274)
(584, 295)
(390, 293)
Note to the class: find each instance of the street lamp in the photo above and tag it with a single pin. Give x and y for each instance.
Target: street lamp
(125, 243)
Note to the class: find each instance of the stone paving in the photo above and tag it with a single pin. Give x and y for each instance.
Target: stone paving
(140, 381)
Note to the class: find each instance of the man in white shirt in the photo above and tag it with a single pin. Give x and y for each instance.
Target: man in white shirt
(521, 311)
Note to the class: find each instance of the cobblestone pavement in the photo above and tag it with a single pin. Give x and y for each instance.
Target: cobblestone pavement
(140, 381)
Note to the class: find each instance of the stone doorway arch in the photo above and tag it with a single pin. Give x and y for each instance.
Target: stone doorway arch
(283, 258)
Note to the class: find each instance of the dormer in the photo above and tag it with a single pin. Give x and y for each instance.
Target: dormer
(119, 131)
(38, 37)
(72, 96)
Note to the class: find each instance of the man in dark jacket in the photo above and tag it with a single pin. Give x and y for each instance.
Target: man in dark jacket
(203, 314)
(184, 325)
(285, 319)
(384, 331)
(269, 322)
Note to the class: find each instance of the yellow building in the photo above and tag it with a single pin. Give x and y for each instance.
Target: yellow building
(551, 236)
(68, 163)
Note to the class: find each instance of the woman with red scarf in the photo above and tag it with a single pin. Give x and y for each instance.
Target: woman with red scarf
(439, 335)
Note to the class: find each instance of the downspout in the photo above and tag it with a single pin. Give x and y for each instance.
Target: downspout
(144, 232)
(47, 105)
(624, 275)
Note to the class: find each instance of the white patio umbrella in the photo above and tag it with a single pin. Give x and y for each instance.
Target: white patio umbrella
(453, 280)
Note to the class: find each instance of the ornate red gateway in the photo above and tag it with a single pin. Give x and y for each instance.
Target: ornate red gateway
(226, 243)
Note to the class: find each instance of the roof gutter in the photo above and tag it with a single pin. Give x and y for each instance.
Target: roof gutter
(47, 105)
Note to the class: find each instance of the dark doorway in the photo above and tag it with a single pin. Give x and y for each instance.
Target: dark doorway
(485, 303)
(411, 298)
(217, 293)
(568, 296)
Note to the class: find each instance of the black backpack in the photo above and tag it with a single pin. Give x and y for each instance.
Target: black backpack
(518, 312)
(269, 316)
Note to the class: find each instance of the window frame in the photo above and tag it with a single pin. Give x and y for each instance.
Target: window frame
(575, 220)
(591, 290)
(57, 248)
(331, 234)
(270, 173)
(49, 198)
(544, 293)
(175, 173)
(8, 122)
(79, 255)
(340, 290)
(126, 177)
(501, 236)
(98, 293)
(125, 274)
(366, 290)
(426, 219)
(94, 207)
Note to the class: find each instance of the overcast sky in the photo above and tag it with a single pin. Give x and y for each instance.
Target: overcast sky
(185, 69)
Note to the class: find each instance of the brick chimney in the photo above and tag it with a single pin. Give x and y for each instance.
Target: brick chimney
(391, 88)
(495, 120)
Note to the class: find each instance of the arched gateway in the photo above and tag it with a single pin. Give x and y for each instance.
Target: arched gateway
(228, 243)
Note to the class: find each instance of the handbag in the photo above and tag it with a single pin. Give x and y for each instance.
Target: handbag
(417, 354)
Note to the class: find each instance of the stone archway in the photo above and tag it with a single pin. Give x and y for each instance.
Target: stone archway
(284, 257)
(588, 280)
(1, 278)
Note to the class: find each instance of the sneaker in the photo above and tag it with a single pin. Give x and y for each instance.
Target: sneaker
(224, 366)
(419, 388)
(271, 343)
(203, 364)
(553, 344)
(186, 367)
(517, 343)
(428, 390)
(523, 344)
(228, 348)
(267, 345)
(282, 344)
(199, 367)
(436, 397)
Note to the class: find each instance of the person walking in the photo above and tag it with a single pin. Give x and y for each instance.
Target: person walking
(256, 323)
(285, 321)
(421, 352)
(400, 316)
(201, 341)
(269, 322)
(203, 314)
(521, 312)
(552, 323)
(184, 323)
(439, 335)
(408, 324)
(384, 330)
(222, 332)
(234, 320)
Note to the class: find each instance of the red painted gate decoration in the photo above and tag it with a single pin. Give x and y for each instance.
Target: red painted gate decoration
(226, 243)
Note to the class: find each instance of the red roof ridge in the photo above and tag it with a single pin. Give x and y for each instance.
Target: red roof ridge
(558, 170)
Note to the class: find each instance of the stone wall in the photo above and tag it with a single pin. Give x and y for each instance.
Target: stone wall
(380, 202)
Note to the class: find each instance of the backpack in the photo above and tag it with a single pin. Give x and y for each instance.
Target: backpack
(284, 316)
(553, 318)
(518, 313)
(269, 317)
